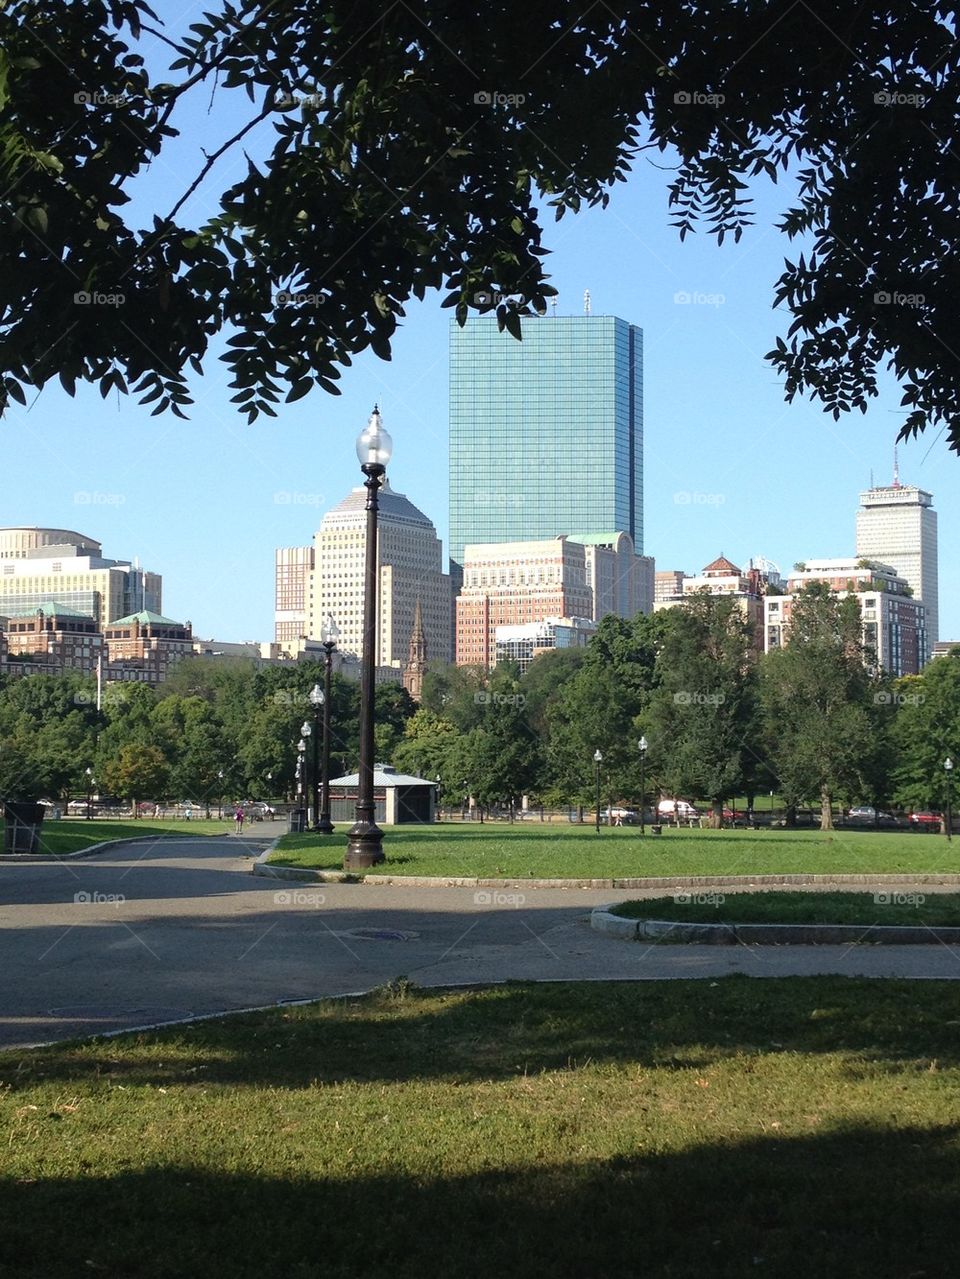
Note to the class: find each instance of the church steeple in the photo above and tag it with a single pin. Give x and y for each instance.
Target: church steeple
(416, 656)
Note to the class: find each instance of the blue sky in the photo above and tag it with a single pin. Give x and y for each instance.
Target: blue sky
(730, 467)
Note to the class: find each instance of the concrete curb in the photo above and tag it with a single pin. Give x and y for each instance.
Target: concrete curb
(271, 870)
(602, 921)
(52, 859)
(41, 859)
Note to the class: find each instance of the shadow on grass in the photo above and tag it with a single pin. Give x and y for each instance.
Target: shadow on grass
(402, 1033)
(865, 1201)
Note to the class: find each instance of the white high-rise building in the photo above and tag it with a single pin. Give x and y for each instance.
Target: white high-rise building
(44, 566)
(410, 561)
(897, 525)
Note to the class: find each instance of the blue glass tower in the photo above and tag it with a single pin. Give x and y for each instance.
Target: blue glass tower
(546, 435)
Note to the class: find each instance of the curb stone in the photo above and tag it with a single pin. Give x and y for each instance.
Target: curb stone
(272, 869)
(603, 921)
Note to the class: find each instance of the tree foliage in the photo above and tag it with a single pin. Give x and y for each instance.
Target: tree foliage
(417, 147)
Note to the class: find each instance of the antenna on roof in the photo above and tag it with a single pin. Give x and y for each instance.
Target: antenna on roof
(586, 301)
(553, 303)
(896, 467)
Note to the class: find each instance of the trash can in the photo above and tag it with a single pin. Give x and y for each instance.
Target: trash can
(21, 831)
(298, 821)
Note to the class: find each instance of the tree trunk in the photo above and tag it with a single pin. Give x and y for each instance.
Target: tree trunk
(826, 811)
(790, 815)
(716, 815)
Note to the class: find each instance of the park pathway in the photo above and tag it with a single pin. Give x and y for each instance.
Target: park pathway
(158, 931)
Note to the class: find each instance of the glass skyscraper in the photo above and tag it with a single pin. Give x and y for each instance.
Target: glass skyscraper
(546, 435)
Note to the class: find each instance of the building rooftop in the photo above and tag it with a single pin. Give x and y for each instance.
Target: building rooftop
(393, 506)
(383, 775)
(721, 565)
(145, 618)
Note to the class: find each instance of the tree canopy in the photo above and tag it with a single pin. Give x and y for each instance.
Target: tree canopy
(418, 147)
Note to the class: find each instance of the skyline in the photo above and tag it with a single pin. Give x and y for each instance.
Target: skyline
(729, 467)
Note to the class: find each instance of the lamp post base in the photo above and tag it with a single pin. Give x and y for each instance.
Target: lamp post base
(364, 847)
(324, 826)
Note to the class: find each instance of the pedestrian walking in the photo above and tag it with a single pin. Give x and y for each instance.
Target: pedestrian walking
(238, 817)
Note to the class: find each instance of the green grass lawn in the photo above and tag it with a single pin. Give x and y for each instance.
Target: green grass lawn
(520, 851)
(937, 910)
(73, 834)
(806, 1126)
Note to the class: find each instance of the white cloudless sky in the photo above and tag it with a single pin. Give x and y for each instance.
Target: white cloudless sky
(729, 466)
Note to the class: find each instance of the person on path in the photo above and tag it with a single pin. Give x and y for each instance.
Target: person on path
(238, 816)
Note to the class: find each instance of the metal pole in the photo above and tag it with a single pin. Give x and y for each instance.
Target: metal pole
(316, 768)
(325, 826)
(598, 798)
(642, 825)
(365, 839)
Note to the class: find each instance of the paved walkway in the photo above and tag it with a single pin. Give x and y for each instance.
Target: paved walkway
(154, 932)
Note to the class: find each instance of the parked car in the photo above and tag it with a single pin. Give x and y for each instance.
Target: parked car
(926, 820)
(679, 808)
(867, 813)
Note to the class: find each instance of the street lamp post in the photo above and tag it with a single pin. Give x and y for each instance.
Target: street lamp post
(365, 838)
(318, 700)
(948, 770)
(438, 797)
(329, 635)
(306, 732)
(219, 797)
(89, 773)
(598, 759)
(642, 748)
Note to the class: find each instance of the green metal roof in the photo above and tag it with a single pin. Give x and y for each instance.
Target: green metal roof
(151, 619)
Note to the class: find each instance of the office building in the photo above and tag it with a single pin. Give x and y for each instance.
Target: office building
(409, 555)
(723, 578)
(292, 568)
(621, 580)
(897, 525)
(54, 636)
(546, 434)
(147, 643)
(521, 644)
(668, 585)
(893, 620)
(515, 583)
(40, 567)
